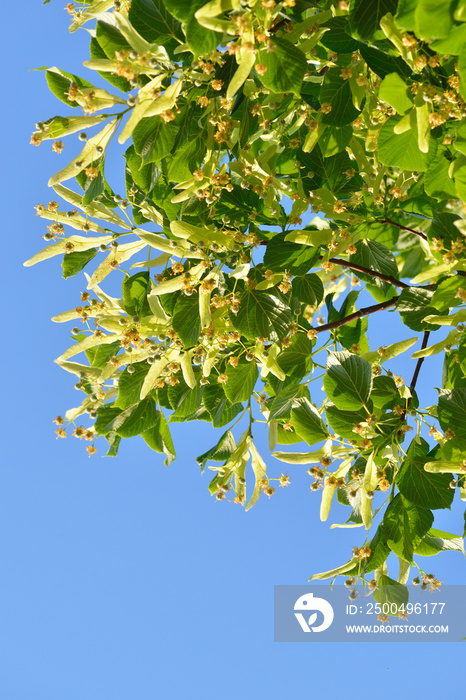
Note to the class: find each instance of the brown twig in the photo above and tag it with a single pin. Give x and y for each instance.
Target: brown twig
(278, 26)
(417, 369)
(372, 273)
(357, 314)
(412, 386)
(404, 228)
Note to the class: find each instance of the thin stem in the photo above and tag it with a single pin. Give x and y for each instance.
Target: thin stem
(238, 419)
(358, 314)
(371, 273)
(403, 228)
(277, 26)
(417, 369)
(251, 419)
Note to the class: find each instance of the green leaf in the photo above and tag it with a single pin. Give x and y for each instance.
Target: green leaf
(335, 140)
(336, 91)
(434, 18)
(338, 38)
(187, 159)
(106, 414)
(284, 255)
(102, 354)
(263, 315)
(380, 551)
(59, 82)
(154, 22)
(219, 452)
(402, 150)
(154, 139)
(130, 384)
(374, 256)
(186, 321)
(444, 295)
(405, 525)
(420, 487)
(308, 289)
(286, 437)
(98, 54)
(159, 439)
(443, 226)
(241, 381)
(75, 262)
(436, 541)
(405, 14)
(110, 38)
(307, 422)
(93, 189)
(135, 290)
(200, 39)
(365, 15)
(181, 9)
(394, 90)
(330, 173)
(391, 593)
(348, 380)
(185, 401)
(136, 419)
(437, 180)
(385, 393)
(113, 444)
(414, 305)
(286, 66)
(453, 375)
(462, 72)
(343, 422)
(283, 401)
(382, 63)
(451, 452)
(452, 411)
(221, 410)
(296, 361)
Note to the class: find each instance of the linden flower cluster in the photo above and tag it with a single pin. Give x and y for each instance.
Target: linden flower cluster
(86, 95)
(429, 581)
(131, 64)
(42, 131)
(216, 184)
(445, 104)
(266, 488)
(363, 552)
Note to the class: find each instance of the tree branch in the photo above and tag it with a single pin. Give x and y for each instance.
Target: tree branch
(417, 369)
(372, 273)
(278, 26)
(404, 228)
(357, 314)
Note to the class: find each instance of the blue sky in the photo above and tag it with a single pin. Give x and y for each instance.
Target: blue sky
(120, 578)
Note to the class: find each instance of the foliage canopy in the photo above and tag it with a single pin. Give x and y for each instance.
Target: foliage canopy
(278, 156)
